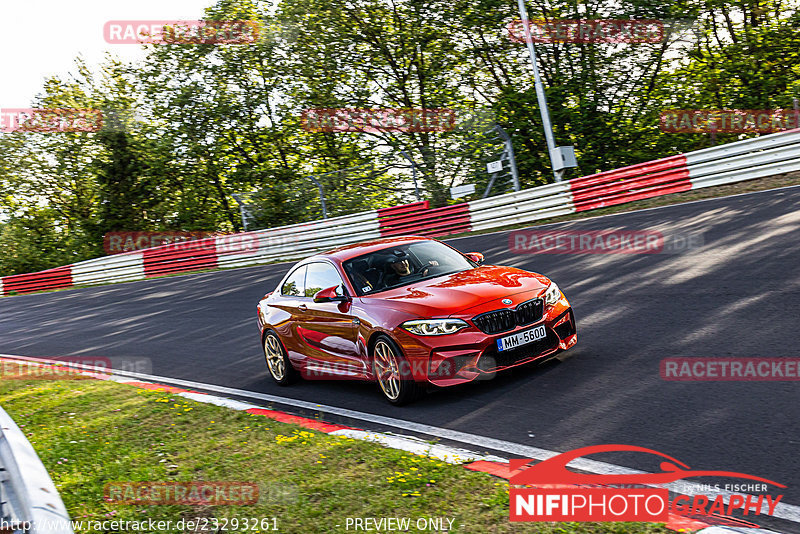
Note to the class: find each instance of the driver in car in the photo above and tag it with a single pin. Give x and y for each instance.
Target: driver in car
(400, 267)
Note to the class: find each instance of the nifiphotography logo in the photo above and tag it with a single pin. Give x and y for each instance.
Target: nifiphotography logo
(551, 492)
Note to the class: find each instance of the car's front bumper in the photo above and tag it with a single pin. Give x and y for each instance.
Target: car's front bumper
(471, 354)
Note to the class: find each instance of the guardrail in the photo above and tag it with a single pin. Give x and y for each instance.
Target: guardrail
(225, 251)
(637, 182)
(758, 157)
(29, 501)
(524, 206)
(424, 221)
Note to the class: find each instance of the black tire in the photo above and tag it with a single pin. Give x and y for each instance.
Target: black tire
(392, 372)
(278, 364)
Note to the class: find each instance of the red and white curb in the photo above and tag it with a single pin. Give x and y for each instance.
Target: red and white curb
(734, 530)
(490, 464)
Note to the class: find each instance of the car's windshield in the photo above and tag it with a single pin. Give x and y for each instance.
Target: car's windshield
(403, 264)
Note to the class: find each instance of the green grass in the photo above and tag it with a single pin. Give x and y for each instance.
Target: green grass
(90, 432)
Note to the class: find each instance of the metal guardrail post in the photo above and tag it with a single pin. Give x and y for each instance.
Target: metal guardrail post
(512, 160)
(29, 500)
(242, 210)
(321, 196)
(413, 173)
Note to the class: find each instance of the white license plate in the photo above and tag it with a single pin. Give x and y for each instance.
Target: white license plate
(521, 338)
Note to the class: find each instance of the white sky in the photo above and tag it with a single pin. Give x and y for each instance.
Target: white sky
(41, 38)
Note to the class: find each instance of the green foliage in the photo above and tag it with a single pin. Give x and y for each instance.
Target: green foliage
(193, 125)
(34, 242)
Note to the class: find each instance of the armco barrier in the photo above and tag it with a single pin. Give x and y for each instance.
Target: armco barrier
(180, 257)
(235, 250)
(525, 206)
(637, 182)
(421, 220)
(57, 278)
(28, 498)
(758, 157)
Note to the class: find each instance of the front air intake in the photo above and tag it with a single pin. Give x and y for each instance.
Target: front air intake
(497, 321)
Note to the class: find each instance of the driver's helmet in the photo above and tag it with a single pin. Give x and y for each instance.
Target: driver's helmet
(396, 256)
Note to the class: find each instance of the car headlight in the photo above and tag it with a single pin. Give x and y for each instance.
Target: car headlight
(552, 295)
(434, 327)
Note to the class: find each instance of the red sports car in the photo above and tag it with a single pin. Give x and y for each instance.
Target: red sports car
(408, 312)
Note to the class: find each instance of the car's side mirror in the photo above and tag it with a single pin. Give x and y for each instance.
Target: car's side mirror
(477, 257)
(329, 295)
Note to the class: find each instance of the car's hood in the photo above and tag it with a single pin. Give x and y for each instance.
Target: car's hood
(459, 292)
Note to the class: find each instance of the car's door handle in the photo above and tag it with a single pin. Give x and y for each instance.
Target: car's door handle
(302, 307)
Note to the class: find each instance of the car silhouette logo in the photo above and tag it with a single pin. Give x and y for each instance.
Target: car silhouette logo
(554, 470)
(506, 301)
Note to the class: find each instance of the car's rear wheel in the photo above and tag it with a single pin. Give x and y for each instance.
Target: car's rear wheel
(392, 372)
(280, 369)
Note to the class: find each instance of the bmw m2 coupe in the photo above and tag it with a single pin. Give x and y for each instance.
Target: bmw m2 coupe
(407, 313)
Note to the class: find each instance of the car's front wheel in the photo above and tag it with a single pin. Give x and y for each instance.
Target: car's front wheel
(392, 372)
(278, 363)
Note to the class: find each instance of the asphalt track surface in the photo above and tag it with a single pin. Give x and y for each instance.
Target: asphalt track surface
(737, 295)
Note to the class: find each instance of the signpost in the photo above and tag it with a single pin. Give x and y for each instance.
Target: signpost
(494, 166)
(462, 190)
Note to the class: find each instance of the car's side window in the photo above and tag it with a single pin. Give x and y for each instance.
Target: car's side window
(322, 275)
(295, 284)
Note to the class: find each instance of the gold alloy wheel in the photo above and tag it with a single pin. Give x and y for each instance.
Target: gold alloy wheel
(387, 370)
(275, 359)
